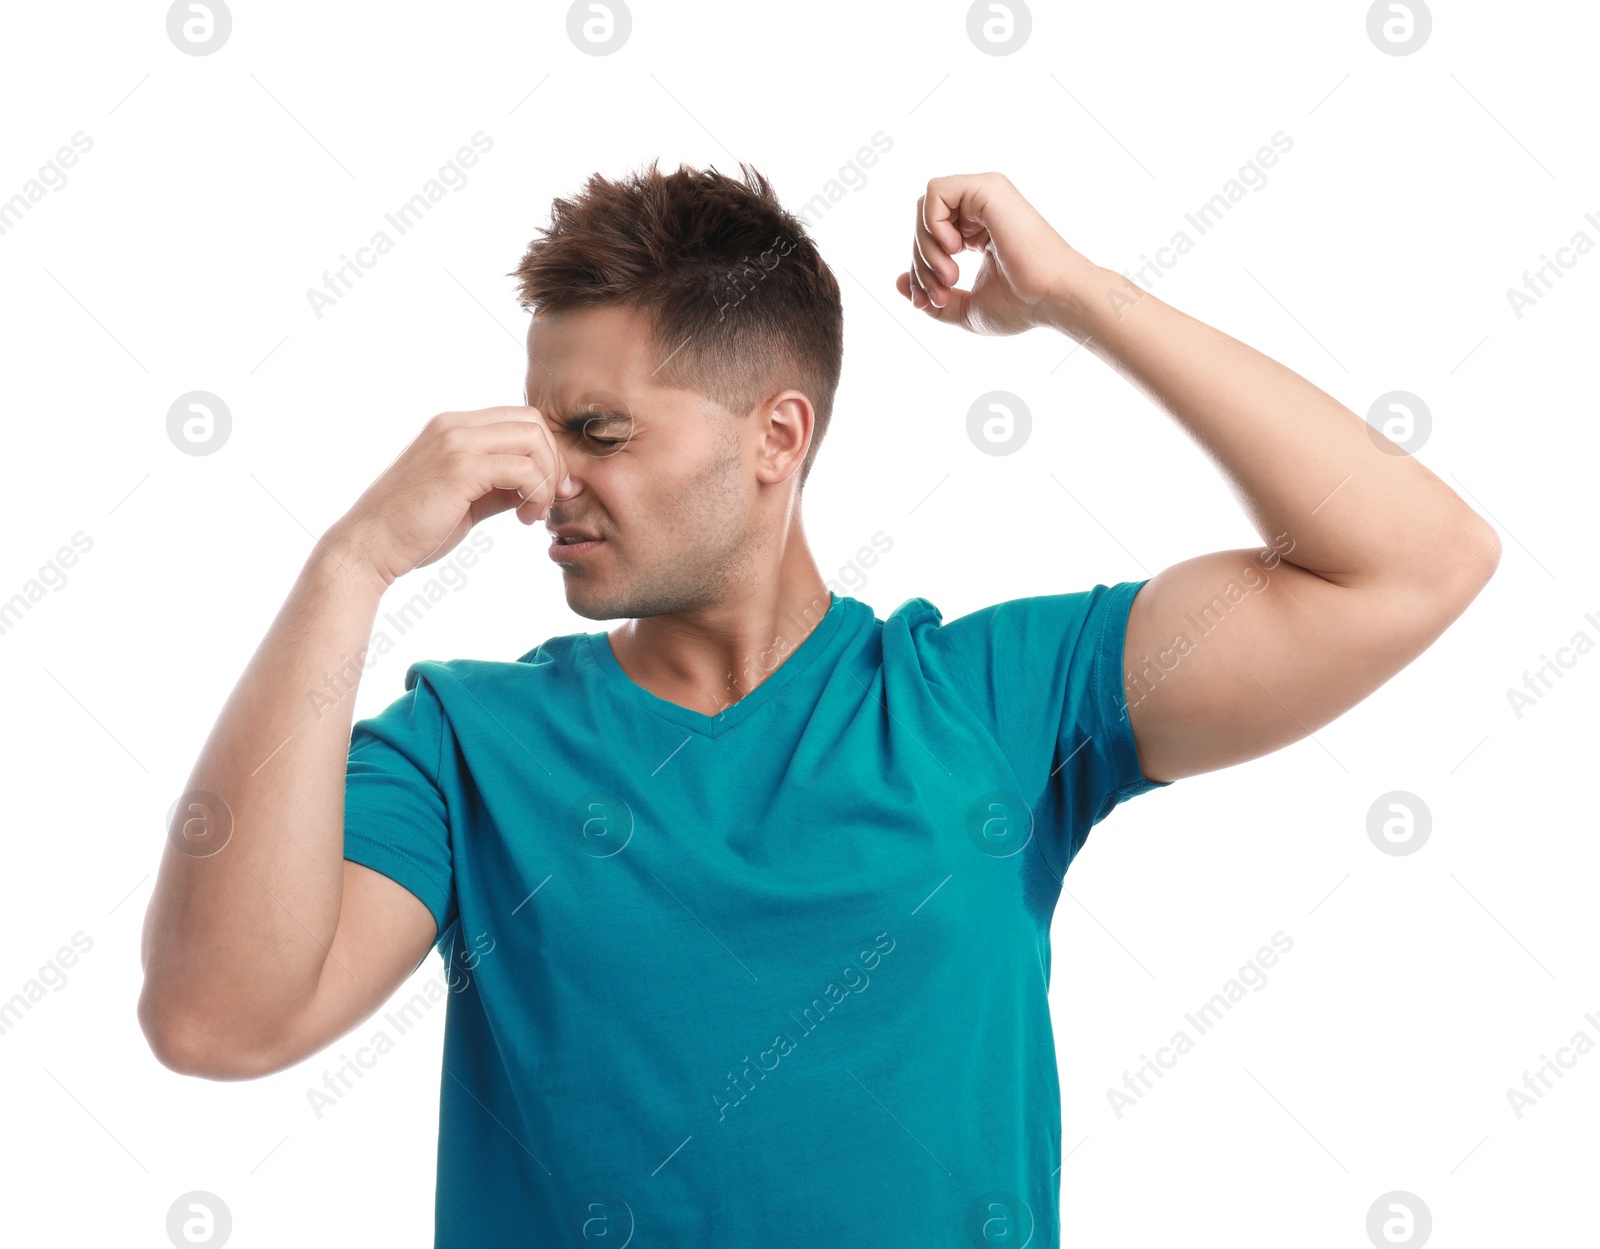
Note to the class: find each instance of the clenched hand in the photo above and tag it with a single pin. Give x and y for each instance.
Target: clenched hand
(1027, 267)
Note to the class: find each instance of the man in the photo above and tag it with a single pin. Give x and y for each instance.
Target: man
(746, 902)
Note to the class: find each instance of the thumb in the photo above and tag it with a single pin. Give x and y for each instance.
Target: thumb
(954, 311)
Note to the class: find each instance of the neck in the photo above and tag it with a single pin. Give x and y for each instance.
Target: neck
(709, 658)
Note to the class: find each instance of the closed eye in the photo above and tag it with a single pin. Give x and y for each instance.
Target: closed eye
(605, 430)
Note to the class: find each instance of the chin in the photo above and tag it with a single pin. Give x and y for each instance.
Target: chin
(666, 594)
(590, 603)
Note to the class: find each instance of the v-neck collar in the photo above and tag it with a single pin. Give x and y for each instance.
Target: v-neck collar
(799, 659)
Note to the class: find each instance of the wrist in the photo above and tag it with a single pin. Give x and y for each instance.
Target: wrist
(337, 562)
(1088, 298)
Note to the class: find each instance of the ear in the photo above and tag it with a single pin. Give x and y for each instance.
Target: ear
(788, 422)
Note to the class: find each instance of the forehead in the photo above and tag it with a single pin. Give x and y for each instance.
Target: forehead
(575, 356)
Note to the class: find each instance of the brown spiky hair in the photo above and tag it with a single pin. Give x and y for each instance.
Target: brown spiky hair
(740, 303)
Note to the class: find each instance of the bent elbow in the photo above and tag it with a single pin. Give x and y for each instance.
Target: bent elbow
(1491, 551)
(1479, 550)
(187, 1047)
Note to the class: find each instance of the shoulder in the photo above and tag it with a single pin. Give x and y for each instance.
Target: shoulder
(555, 661)
(1016, 639)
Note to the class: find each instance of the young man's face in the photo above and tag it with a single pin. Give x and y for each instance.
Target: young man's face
(660, 474)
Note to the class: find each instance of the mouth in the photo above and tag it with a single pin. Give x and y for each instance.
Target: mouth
(569, 547)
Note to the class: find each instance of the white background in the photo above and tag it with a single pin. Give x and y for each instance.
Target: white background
(1377, 257)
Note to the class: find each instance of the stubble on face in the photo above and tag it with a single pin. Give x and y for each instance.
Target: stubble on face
(698, 548)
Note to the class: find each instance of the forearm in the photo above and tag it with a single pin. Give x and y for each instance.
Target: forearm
(1311, 474)
(237, 934)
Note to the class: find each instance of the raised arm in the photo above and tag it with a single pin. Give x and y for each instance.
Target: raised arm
(1367, 556)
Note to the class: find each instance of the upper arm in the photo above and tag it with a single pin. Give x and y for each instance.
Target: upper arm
(384, 933)
(398, 884)
(1235, 654)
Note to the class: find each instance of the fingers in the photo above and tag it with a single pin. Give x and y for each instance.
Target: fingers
(950, 218)
(557, 459)
(953, 210)
(515, 455)
(957, 213)
(530, 438)
(954, 311)
(933, 270)
(913, 290)
(487, 416)
(937, 242)
(502, 481)
(512, 428)
(481, 416)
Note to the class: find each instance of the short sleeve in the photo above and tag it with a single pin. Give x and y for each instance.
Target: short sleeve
(1044, 674)
(396, 819)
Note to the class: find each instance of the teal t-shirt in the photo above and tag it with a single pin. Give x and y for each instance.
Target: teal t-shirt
(775, 976)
